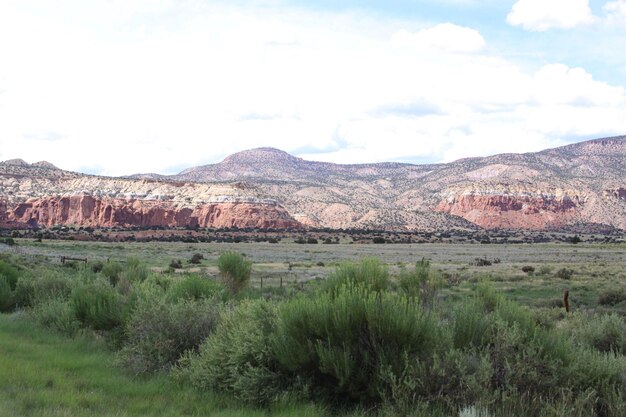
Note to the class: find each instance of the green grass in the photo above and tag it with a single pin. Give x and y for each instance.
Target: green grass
(44, 374)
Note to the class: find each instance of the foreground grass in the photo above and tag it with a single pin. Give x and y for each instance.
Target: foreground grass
(44, 374)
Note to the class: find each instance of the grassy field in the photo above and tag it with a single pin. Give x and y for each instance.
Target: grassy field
(44, 374)
(596, 268)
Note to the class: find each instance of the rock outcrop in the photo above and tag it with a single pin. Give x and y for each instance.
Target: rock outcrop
(85, 210)
(537, 210)
(619, 193)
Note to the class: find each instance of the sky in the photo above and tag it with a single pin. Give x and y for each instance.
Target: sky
(117, 87)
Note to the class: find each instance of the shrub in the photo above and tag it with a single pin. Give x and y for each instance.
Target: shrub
(10, 273)
(135, 271)
(420, 283)
(34, 289)
(369, 272)
(56, 314)
(234, 271)
(471, 325)
(605, 333)
(453, 378)
(9, 241)
(158, 333)
(97, 266)
(612, 297)
(482, 262)
(112, 271)
(176, 264)
(237, 358)
(528, 269)
(529, 361)
(340, 343)
(98, 306)
(564, 273)
(194, 288)
(545, 270)
(7, 302)
(196, 258)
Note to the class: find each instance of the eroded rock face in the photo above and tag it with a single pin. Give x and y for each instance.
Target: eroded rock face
(86, 210)
(540, 211)
(619, 193)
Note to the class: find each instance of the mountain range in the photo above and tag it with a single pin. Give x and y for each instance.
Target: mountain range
(580, 186)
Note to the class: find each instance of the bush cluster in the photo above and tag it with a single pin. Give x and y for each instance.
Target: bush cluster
(238, 358)
(194, 287)
(359, 340)
(369, 272)
(159, 332)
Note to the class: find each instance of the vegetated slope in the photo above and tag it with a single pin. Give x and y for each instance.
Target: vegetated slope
(580, 186)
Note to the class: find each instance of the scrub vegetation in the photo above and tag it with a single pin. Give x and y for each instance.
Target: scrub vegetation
(233, 334)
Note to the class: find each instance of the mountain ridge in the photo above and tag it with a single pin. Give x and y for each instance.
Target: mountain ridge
(581, 183)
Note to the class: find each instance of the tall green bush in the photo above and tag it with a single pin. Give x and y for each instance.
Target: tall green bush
(420, 283)
(39, 286)
(135, 271)
(10, 273)
(7, 301)
(98, 306)
(158, 332)
(605, 333)
(194, 287)
(370, 273)
(237, 358)
(341, 342)
(112, 271)
(55, 314)
(234, 270)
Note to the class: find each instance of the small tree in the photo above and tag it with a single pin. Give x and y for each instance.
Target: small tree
(234, 270)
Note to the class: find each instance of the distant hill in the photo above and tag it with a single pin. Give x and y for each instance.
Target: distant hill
(580, 186)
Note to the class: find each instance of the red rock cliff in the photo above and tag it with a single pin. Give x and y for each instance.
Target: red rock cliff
(511, 211)
(85, 210)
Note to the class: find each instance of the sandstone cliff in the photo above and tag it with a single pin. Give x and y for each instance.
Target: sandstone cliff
(85, 210)
(42, 195)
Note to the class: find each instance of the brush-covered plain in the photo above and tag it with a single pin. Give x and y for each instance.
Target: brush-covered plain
(371, 330)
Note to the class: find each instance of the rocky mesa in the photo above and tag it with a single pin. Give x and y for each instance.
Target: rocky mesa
(44, 196)
(583, 184)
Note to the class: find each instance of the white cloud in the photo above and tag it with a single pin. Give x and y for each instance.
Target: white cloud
(557, 84)
(445, 37)
(191, 83)
(615, 11)
(541, 15)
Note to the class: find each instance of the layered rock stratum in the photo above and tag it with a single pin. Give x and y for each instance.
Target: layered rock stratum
(581, 185)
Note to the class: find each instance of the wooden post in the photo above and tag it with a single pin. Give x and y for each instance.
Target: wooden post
(566, 300)
(281, 281)
(261, 281)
